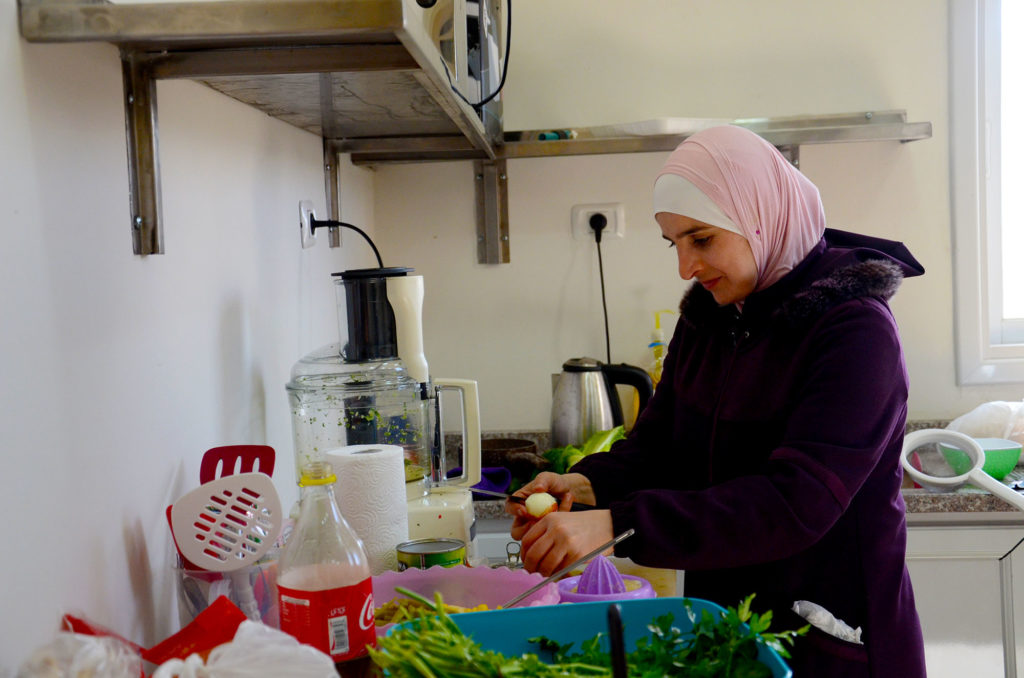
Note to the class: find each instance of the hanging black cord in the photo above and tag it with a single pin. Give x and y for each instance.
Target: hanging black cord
(598, 222)
(504, 68)
(604, 305)
(315, 223)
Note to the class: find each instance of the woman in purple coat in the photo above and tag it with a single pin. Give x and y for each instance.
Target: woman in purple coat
(768, 460)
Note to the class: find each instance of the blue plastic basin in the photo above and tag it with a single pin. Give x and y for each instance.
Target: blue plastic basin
(507, 631)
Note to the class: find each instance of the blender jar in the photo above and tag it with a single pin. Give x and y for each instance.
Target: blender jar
(334, 404)
(358, 391)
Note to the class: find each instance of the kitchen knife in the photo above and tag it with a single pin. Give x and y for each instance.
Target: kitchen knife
(522, 500)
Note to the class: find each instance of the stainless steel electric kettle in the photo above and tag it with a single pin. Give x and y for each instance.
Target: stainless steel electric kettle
(585, 400)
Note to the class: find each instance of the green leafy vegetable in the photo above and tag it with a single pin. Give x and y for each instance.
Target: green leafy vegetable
(718, 646)
(559, 456)
(563, 458)
(602, 440)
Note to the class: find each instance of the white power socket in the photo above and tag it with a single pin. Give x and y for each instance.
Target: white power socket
(614, 212)
(306, 215)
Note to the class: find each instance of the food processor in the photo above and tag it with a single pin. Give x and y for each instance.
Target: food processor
(373, 387)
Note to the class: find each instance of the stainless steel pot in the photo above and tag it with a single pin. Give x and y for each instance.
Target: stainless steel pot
(585, 400)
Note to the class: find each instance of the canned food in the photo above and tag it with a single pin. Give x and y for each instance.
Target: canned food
(425, 553)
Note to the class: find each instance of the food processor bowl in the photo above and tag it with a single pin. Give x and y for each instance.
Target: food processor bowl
(335, 403)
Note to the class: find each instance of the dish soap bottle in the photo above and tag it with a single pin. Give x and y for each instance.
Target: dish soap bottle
(657, 347)
(325, 590)
(653, 368)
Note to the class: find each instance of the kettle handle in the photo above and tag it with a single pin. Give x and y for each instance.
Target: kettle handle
(627, 375)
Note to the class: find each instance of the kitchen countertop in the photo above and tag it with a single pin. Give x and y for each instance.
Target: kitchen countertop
(923, 507)
(967, 506)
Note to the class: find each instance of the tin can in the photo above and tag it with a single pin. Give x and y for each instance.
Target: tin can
(425, 553)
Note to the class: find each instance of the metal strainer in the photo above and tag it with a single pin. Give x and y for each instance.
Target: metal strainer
(927, 465)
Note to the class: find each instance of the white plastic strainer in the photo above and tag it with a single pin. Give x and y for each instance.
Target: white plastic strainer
(228, 524)
(938, 476)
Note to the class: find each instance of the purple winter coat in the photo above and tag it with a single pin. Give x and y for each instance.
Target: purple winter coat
(768, 460)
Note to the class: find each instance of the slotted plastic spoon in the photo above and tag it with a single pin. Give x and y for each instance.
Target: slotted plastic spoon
(228, 524)
(941, 477)
(221, 461)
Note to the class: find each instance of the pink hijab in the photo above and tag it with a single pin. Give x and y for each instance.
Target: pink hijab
(775, 207)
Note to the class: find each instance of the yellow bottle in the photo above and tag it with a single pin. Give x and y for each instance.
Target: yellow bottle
(657, 346)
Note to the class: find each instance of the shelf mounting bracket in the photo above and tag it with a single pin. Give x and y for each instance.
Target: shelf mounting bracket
(491, 183)
(332, 191)
(143, 154)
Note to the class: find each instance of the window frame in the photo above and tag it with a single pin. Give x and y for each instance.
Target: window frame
(983, 352)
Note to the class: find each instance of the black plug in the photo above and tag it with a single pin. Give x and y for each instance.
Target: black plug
(598, 222)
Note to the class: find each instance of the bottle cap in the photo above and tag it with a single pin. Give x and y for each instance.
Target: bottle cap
(317, 473)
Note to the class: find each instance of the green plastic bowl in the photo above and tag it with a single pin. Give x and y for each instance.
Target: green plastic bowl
(1000, 457)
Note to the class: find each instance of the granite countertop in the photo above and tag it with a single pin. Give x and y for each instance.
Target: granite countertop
(967, 505)
(918, 501)
(962, 501)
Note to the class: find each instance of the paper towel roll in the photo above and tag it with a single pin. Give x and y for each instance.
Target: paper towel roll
(370, 492)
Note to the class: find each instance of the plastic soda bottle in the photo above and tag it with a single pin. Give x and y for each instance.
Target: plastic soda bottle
(325, 590)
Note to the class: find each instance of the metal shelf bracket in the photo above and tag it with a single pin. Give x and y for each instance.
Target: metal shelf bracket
(143, 155)
(491, 183)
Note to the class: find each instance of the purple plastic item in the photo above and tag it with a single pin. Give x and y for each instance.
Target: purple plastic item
(494, 478)
(602, 581)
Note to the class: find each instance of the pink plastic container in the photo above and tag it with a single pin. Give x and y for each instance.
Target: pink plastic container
(464, 586)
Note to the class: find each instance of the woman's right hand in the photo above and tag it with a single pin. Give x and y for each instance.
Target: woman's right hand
(566, 488)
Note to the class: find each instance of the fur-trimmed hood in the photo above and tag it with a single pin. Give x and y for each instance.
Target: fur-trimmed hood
(842, 267)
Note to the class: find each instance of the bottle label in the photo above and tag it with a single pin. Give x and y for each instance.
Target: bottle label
(338, 622)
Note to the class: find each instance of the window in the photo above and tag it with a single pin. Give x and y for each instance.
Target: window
(988, 189)
(1011, 139)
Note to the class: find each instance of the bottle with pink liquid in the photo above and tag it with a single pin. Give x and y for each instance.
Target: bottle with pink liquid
(324, 586)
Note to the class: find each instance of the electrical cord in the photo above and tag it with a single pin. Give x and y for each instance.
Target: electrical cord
(315, 223)
(598, 222)
(504, 68)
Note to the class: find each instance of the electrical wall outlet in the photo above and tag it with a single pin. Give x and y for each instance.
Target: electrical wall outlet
(614, 212)
(306, 215)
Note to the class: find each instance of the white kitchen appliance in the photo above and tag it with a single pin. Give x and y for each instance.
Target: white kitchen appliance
(373, 387)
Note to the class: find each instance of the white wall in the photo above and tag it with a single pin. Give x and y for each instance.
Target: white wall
(117, 372)
(510, 326)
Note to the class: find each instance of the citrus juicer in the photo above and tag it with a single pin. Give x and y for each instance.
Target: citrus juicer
(601, 580)
(373, 387)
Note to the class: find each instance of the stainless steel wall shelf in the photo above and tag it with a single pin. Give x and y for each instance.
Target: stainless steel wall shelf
(366, 76)
(350, 71)
(787, 133)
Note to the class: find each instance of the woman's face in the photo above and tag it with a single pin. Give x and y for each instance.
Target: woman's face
(720, 260)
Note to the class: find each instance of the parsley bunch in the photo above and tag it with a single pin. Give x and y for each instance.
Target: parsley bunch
(717, 646)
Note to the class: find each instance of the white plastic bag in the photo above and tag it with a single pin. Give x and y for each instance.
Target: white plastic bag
(257, 651)
(827, 622)
(76, 655)
(996, 419)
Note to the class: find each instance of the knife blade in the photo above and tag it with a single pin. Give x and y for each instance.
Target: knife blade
(576, 563)
(522, 500)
